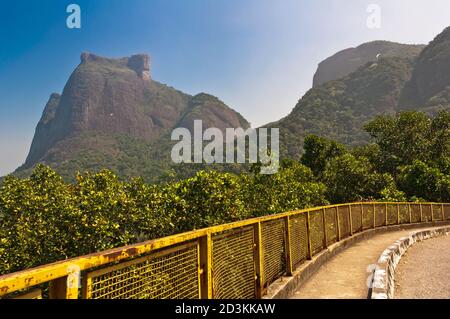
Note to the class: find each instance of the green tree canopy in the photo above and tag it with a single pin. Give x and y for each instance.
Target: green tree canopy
(410, 136)
(319, 150)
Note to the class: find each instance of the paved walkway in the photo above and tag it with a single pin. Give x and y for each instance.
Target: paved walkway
(346, 275)
(424, 271)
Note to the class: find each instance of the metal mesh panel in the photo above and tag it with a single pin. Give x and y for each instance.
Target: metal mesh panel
(299, 239)
(330, 222)
(233, 266)
(367, 216)
(392, 214)
(171, 275)
(415, 213)
(316, 228)
(344, 223)
(356, 218)
(273, 238)
(437, 212)
(380, 215)
(404, 213)
(447, 211)
(426, 212)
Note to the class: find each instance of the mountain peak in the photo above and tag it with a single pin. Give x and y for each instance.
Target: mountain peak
(110, 115)
(139, 63)
(349, 60)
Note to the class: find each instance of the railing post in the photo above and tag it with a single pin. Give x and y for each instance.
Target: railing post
(288, 247)
(308, 228)
(325, 239)
(205, 245)
(374, 217)
(259, 261)
(398, 214)
(442, 212)
(409, 211)
(66, 287)
(362, 217)
(432, 214)
(421, 212)
(350, 219)
(338, 228)
(386, 214)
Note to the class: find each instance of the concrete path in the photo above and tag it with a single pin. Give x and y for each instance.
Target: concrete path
(346, 275)
(424, 271)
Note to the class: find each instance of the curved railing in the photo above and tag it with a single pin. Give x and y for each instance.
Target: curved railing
(236, 260)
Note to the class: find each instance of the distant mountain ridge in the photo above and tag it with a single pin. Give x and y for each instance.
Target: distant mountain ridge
(112, 114)
(403, 78)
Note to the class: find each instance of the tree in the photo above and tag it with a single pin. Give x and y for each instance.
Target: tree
(346, 178)
(211, 198)
(38, 217)
(293, 187)
(410, 136)
(401, 139)
(350, 179)
(426, 182)
(318, 151)
(440, 138)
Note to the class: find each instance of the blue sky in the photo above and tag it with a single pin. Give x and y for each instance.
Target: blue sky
(258, 56)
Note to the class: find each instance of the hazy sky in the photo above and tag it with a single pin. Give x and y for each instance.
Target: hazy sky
(258, 56)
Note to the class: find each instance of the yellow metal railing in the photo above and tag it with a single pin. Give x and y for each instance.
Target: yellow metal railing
(236, 260)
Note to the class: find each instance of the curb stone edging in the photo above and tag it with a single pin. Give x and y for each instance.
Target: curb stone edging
(384, 272)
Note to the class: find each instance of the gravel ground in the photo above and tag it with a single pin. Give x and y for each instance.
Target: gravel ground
(424, 271)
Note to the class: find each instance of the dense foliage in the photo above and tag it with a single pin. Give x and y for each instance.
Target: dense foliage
(409, 159)
(44, 219)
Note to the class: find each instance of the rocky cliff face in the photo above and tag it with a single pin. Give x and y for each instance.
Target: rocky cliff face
(430, 82)
(212, 112)
(349, 60)
(107, 101)
(338, 109)
(140, 64)
(46, 129)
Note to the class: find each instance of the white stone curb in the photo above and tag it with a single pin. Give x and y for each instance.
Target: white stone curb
(384, 273)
